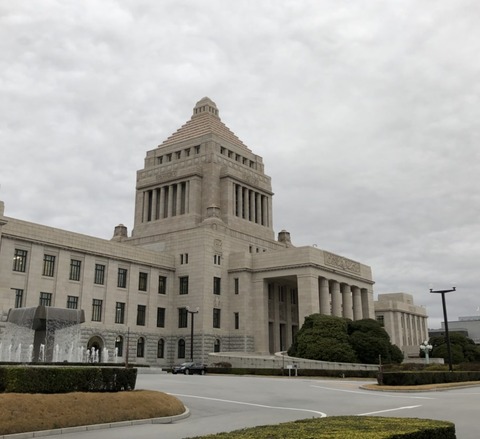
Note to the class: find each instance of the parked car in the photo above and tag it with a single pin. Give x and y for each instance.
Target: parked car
(189, 368)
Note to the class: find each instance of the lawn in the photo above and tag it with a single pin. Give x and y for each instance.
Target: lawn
(22, 412)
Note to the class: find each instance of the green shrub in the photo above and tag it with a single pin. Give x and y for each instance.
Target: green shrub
(347, 427)
(427, 377)
(63, 379)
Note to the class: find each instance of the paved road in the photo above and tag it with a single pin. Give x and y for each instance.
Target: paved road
(224, 403)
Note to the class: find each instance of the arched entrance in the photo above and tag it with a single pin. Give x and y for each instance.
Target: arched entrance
(95, 349)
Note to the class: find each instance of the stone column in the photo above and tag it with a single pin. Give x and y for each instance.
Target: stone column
(357, 303)
(308, 302)
(258, 203)
(178, 209)
(258, 319)
(170, 201)
(251, 198)
(240, 200)
(347, 301)
(264, 210)
(162, 202)
(367, 304)
(336, 298)
(145, 206)
(245, 203)
(154, 204)
(270, 216)
(325, 306)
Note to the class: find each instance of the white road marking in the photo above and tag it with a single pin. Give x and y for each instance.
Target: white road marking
(390, 410)
(322, 415)
(365, 392)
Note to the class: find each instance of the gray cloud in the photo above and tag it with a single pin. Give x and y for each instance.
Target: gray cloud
(365, 114)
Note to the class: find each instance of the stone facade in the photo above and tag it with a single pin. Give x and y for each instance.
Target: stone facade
(405, 322)
(203, 239)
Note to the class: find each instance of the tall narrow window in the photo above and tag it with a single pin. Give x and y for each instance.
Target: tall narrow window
(217, 285)
(75, 266)
(236, 285)
(18, 298)
(142, 281)
(141, 314)
(72, 302)
(161, 348)
(46, 299)
(99, 274)
(183, 285)
(119, 346)
(160, 317)
(120, 312)
(182, 317)
(20, 260)
(216, 317)
(97, 310)
(216, 345)
(181, 348)
(162, 285)
(237, 320)
(122, 278)
(141, 347)
(48, 265)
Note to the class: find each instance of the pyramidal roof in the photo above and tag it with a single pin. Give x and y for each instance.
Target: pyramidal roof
(205, 120)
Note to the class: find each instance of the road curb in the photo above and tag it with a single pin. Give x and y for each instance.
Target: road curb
(44, 433)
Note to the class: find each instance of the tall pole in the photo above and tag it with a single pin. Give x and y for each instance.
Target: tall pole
(447, 335)
(192, 313)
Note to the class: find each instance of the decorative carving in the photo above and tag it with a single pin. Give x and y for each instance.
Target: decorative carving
(167, 175)
(249, 178)
(218, 243)
(341, 262)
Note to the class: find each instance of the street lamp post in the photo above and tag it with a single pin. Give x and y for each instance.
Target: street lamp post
(192, 313)
(426, 348)
(447, 336)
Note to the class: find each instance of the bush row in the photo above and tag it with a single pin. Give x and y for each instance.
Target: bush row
(44, 379)
(426, 377)
(347, 427)
(301, 372)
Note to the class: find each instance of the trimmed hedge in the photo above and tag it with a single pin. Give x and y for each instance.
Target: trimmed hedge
(301, 372)
(416, 378)
(64, 379)
(347, 427)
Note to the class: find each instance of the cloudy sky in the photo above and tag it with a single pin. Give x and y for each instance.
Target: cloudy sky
(366, 114)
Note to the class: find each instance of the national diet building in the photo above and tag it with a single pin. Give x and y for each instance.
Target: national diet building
(202, 251)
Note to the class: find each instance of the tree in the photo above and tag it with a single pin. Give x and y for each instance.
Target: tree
(370, 341)
(463, 348)
(323, 338)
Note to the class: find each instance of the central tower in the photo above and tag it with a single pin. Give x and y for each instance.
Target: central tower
(203, 170)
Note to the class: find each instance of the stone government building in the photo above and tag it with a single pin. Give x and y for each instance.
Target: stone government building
(202, 238)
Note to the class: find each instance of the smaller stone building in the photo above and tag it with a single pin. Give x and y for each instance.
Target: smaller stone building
(405, 322)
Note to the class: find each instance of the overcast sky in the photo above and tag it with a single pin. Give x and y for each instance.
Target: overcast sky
(366, 114)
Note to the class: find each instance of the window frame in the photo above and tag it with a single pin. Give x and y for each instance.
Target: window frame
(217, 315)
(75, 270)
(20, 260)
(120, 313)
(99, 275)
(48, 265)
(141, 315)
(97, 310)
(161, 317)
(122, 277)
(142, 281)
(183, 285)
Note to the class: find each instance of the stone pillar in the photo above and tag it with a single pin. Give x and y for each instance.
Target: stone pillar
(162, 202)
(347, 301)
(187, 196)
(240, 200)
(154, 204)
(245, 203)
(145, 206)
(170, 201)
(264, 210)
(258, 319)
(325, 306)
(367, 304)
(178, 209)
(357, 303)
(270, 216)
(308, 301)
(258, 203)
(251, 198)
(336, 298)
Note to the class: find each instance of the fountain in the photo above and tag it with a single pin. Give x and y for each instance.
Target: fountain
(41, 334)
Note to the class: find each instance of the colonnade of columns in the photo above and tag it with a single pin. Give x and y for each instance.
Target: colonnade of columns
(166, 201)
(252, 205)
(414, 329)
(331, 297)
